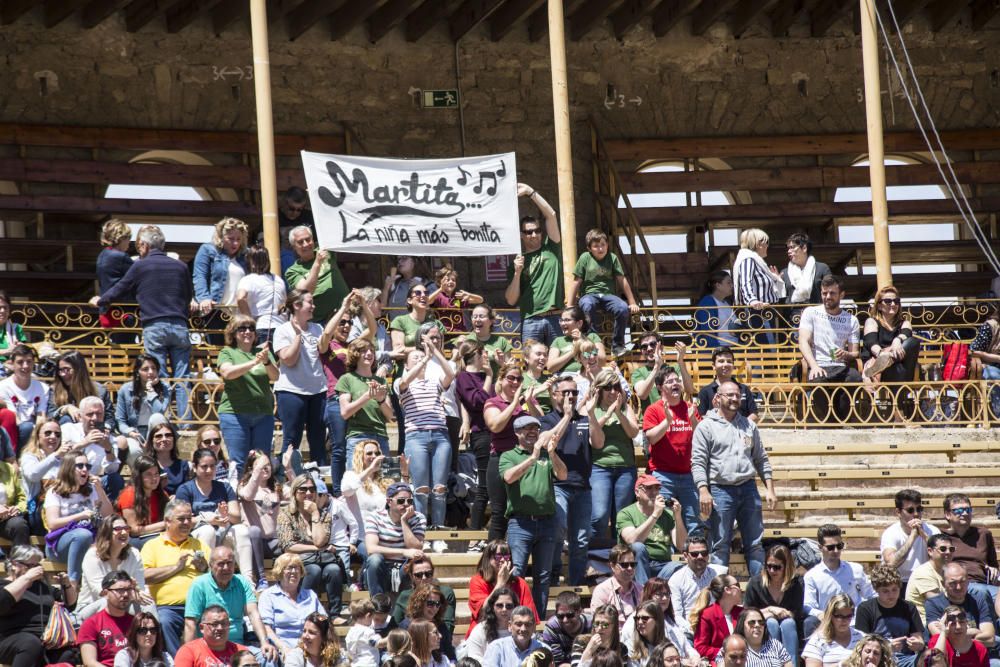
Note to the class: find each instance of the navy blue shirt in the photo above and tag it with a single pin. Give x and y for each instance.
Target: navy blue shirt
(220, 493)
(161, 285)
(573, 449)
(977, 609)
(748, 406)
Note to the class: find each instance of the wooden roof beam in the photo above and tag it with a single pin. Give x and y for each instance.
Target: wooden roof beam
(388, 16)
(421, 21)
(56, 11)
(351, 15)
(982, 12)
(513, 12)
(13, 9)
(906, 9)
(139, 13)
(670, 13)
(746, 11)
(181, 16)
(307, 14)
(826, 14)
(630, 14)
(228, 12)
(469, 15)
(943, 11)
(707, 13)
(97, 10)
(538, 23)
(788, 12)
(589, 16)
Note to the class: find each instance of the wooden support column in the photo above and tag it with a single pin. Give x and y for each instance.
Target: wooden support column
(265, 132)
(564, 149)
(876, 148)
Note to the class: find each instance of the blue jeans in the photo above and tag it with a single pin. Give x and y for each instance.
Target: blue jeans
(378, 574)
(336, 433)
(646, 568)
(988, 592)
(612, 490)
(993, 373)
(590, 304)
(71, 549)
(243, 432)
(168, 340)
(113, 484)
(429, 451)
(681, 487)
(573, 509)
(352, 443)
(786, 632)
(742, 503)
(543, 328)
(172, 625)
(534, 537)
(303, 412)
(327, 579)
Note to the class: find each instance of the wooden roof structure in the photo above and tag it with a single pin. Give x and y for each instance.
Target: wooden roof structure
(498, 17)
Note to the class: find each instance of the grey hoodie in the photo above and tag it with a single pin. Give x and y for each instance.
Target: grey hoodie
(727, 453)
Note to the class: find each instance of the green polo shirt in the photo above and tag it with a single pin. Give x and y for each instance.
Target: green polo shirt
(658, 542)
(330, 286)
(205, 592)
(534, 494)
(541, 280)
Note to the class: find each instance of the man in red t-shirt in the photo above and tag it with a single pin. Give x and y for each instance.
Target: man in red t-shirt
(213, 648)
(104, 634)
(670, 445)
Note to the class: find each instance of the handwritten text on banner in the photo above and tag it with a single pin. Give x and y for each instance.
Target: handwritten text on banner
(453, 207)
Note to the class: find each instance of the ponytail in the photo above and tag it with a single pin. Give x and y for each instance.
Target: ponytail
(708, 596)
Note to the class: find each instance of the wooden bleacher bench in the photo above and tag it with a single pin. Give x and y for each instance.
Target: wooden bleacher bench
(816, 475)
(951, 449)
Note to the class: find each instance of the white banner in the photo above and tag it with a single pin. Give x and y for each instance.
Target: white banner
(454, 207)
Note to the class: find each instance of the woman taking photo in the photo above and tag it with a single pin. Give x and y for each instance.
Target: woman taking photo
(260, 500)
(362, 395)
(161, 446)
(72, 509)
(715, 611)
(318, 646)
(427, 603)
(143, 501)
(605, 637)
(260, 295)
(285, 606)
(364, 486)
(427, 445)
(494, 622)
(40, 460)
(427, 644)
(474, 386)
(71, 385)
(111, 552)
(613, 475)
(761, 648)
(301, 386)
(145, 643)
(835, 637)
(495, 570)
(246, 412)
(304, 530)
(562, 352)
(778, 593)
(137, 401)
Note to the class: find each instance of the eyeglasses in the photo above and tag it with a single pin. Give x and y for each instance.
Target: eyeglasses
(502, 558)
(64, 370)
(914, 510)
(946, 550)
(839, 546)
(82, 466)
(217, 625)
(754, 622)
(403, 501)
(418, 293)
(212, 441)
(961, 511)
(163, 436)
(344, 323)
(513, 378)
(120, 591)
(120, 529)
(601, 625)
(146, 631)
(306, 489)
(503, 605)
(568, 616)
(891, 302)
(569, 392)
(648, 346)
(246, 328)
(843, 617)
(426, 574)
(531, 232)
(432, 603)
(642, 618)
(628, 564)
(697, 554)
(775, 567)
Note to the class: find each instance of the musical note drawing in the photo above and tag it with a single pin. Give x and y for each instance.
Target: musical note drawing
(490, 190)
(463, 179)
(503, 170)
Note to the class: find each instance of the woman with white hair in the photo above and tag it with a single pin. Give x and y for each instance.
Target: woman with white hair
(757, 284)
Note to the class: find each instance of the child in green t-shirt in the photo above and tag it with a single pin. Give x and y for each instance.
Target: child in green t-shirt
(599, 278)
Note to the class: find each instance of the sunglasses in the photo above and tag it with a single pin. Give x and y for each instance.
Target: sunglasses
(403, 501)
(961, 511)
(697, 554)
(891, 302)
(503, 605)
(774, 567)
(531, 232)
(946, 550)
(146, 631)
(432, 603)
(955, 618)
(628, 564)
(344, 323)
(601, 625)
(570, 392)
(914, 510)
(212, 441)
(306, 489)
(513, 378)
(82, 466)
(246, 328)
(839, 546)
(648, 346)
(754, 623)
(643, 618)
(428, 574)
(567, 616)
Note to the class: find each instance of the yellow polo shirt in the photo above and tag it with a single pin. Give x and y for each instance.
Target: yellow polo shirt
(162, 551)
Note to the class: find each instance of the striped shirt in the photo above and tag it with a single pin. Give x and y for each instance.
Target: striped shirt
(755, 284)
(390, 535)
(772, 654)
(422, 405)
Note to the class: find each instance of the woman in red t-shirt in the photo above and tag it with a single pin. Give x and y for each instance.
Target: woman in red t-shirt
(495, 570)
(142, 501)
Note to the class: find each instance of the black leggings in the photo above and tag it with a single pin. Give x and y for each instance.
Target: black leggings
(498, 499)
(479, 443)
(23, 649)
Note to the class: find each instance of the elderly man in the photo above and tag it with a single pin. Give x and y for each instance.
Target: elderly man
(927, 580)
(727, 456)
(91, 434)
(392, 536)
(976, 606)
(535, 276)
(316, 272)
(213, 649)
(222, 586)
(171, 562)
(511, 651)
(647, 527)
(104, 634)
(162, 286)
(529, 471)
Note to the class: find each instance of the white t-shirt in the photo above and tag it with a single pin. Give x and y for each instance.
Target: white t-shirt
(894, 538)
(100, 461)
(72, 504)
(360, 643)
(475, 645)
(831, 654)
(236, 273)
(305, 377)
(265, 296)
(27, 404)
(361, 503)
(828, 332)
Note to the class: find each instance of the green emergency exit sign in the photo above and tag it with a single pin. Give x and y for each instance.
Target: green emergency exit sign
(440, 99)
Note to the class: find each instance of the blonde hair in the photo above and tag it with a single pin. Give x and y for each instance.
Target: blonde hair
(226, 225)
(113, 231)
(358, 461)
(753, 237)
(285, 561)
(709, 595)
(873, 311)
(836, 603)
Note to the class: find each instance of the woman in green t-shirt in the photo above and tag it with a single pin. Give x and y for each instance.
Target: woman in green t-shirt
(498, 346)
(362, 395)
(536, 356)
(246, 413)
(613, 472)
(575, 327)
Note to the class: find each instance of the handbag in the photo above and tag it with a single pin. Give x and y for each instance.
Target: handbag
(956, 362)
(59, 632)
(320, 558)
(52, 538)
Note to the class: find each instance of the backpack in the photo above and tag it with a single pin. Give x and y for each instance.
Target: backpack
(806, 552)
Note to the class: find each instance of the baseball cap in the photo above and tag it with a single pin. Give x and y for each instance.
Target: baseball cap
(524, 421)
(397, 487)
(646, 480)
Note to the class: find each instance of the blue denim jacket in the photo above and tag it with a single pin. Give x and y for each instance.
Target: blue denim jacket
(211, 270)
(127, 416)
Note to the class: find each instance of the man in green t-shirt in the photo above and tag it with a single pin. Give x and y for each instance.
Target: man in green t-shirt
(535, 276)
(529, 471)
(646, 526)
(316, 272)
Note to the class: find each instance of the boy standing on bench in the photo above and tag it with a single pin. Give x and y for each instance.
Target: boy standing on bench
(723, 362)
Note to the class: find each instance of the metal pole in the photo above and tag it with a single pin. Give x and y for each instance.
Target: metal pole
(265, 132)
(564, 148)
(876, 149)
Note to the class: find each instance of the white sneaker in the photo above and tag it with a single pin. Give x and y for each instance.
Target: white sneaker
(439, 546)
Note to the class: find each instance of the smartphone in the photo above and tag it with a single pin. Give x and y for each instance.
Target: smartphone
(390, 468)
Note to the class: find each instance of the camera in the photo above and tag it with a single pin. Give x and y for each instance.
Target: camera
(390, 467)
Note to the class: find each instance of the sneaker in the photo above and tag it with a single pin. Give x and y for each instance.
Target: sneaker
(439, 546)
(262, 585)
(477, 547)
(354, 588)
(619, 350)
(882, 362)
